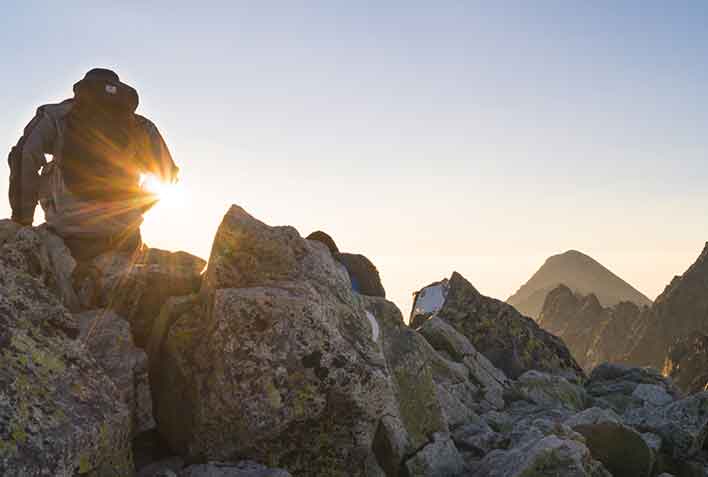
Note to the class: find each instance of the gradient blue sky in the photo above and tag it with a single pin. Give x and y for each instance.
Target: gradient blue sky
(471, 136)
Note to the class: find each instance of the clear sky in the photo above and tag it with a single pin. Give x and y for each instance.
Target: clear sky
(480, 137)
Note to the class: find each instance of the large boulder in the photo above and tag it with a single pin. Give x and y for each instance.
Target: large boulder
(550, 391)
(59, 413)
(621, 449)
(107, 337)
(486, 382)
(512, 342)
(137, 285)
(276, 359)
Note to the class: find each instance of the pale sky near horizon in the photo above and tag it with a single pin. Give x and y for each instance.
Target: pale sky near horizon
(473, 136)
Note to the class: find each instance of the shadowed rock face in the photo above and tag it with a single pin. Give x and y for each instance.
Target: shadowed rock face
(59, 414)
(687, 362)
(573, 318)
(593, 333)
(107, 337)
(581, 274)
(679, 311)
(511, 341)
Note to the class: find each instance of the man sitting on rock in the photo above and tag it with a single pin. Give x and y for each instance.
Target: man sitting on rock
(91, 190)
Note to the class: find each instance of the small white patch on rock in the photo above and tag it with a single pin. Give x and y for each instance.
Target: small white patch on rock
(374, 326)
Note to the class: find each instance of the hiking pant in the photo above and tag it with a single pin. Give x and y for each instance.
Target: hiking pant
(89, 228)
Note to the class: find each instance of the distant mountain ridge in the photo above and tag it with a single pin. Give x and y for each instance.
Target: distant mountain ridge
(593, 333)
(677, 314)
(582, 274)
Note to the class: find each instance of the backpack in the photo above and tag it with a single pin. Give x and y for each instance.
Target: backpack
(102, 141)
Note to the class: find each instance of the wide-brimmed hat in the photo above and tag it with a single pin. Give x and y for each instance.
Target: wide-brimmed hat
(107, 82)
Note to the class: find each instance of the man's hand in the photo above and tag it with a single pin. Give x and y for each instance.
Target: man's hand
(174, 175)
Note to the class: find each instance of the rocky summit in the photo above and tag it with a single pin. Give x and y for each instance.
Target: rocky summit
(281, 357)
(511, 341)
(582, 274)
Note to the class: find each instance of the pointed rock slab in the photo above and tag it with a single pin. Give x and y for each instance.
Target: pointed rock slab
(682, 425)
(512, 342)
(275, 361)
(621, 449)
(466, 382)
(456, 347)
(59, 414)
(107, 336)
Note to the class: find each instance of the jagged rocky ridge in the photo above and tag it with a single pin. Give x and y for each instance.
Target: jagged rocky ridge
(513, 343)
(268, 364)
(669, 335)
(594, 334)
(680, 311)
(580, 273)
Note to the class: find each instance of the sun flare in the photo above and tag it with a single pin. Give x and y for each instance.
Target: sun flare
(163, 191)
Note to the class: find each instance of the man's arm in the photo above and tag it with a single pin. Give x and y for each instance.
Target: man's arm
(157, 160)
(25, 161)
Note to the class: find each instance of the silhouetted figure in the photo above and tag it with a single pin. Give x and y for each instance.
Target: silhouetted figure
(90, 191)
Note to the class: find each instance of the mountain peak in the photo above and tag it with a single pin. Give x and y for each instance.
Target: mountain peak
(580, 273)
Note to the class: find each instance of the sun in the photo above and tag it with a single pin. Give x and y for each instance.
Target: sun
(163, 191)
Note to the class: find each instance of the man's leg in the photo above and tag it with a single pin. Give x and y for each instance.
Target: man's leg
(86, 249)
